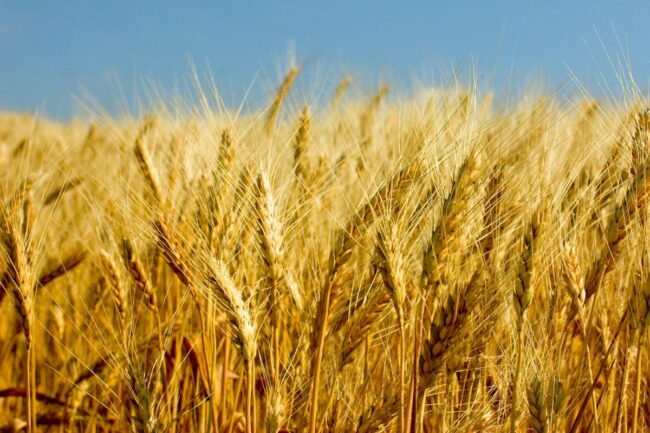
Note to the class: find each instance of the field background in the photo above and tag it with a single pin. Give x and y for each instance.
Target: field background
(441, 263)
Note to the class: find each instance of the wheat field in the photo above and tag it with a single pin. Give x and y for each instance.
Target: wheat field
(440, 262)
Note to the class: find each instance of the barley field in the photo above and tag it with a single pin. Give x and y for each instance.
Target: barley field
(439, 262)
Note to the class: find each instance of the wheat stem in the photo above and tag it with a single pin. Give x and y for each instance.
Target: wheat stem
(637, 386)
(514, 415)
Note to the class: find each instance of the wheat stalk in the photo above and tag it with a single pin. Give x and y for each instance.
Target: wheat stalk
(146, 166)
(243, 327)
(339, 255)
(391, 268)
(115, 284)
(436, 258)
(280, 95)
(20, 281)
(642, 320)
(537, 407)
(301, 164)
(444, 329)
(341, 88)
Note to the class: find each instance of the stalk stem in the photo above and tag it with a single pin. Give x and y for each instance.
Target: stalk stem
(400, 350)
(250, 379)
(515, 385)
(637, 387)
(28, 390)
(319, 358)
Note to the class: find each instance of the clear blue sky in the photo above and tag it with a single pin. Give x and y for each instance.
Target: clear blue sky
(50, 51)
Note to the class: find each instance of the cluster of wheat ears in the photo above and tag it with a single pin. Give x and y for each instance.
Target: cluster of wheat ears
(424, 264)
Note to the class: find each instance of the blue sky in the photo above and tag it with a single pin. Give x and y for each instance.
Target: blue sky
(54, 52)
